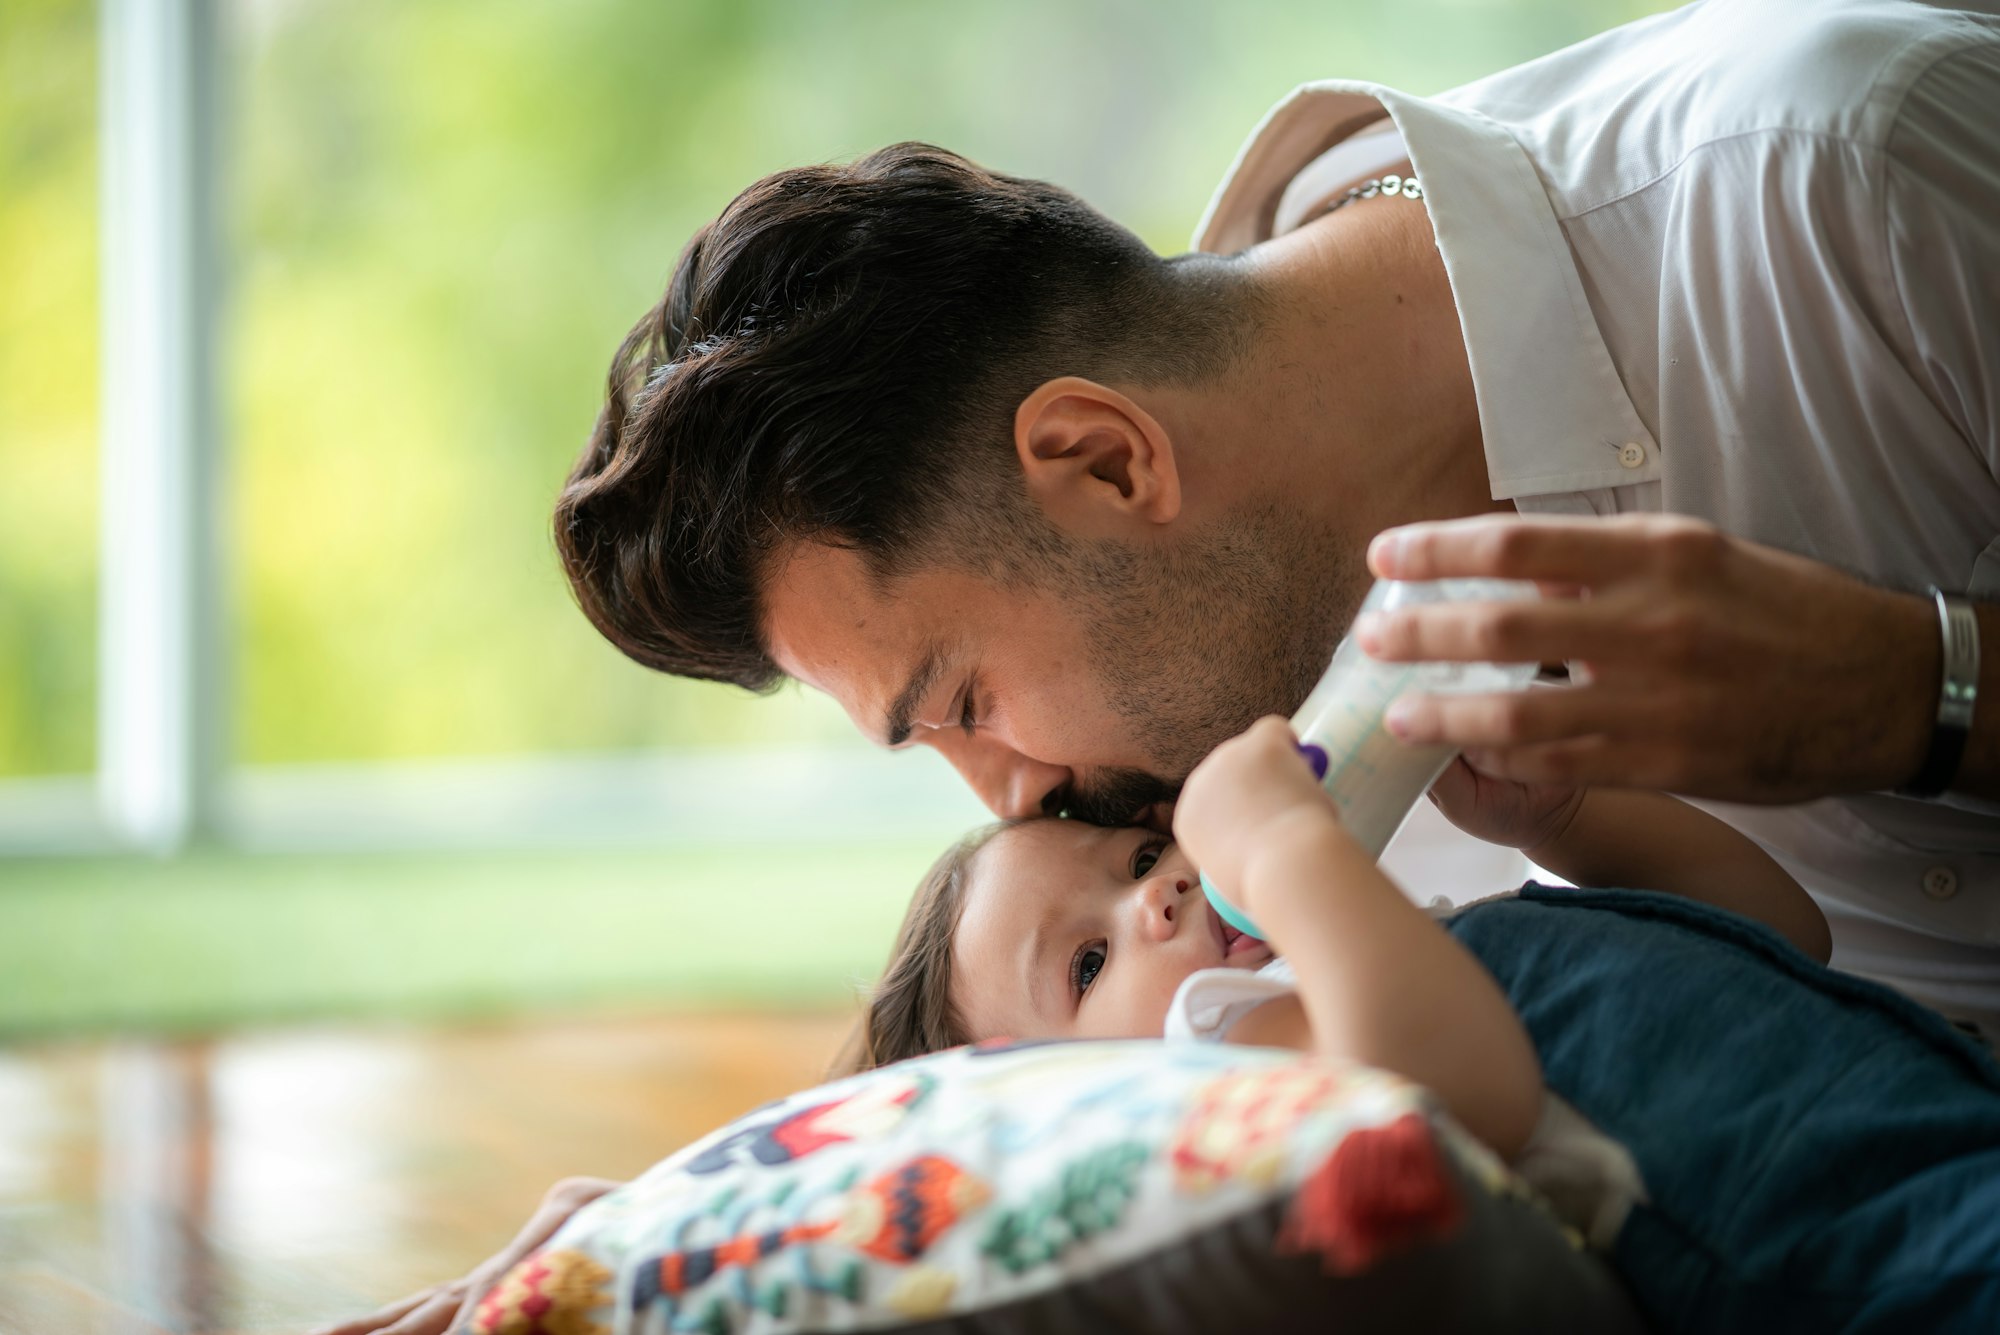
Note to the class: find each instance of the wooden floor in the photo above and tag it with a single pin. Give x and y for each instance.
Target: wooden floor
(269, 1183)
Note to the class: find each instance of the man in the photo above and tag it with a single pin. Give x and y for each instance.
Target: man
(1695, 323)
(961, 452)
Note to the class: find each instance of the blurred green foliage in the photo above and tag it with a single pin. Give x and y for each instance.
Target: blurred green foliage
(48, 386)
(442, 218)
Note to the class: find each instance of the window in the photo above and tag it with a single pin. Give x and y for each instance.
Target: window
(364, 263)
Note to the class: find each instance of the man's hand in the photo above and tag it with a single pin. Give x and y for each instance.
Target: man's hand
(1504, 811)
(444, 1307)
(1712, 666)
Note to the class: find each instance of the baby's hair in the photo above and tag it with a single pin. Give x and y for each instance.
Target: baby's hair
(910, 1011)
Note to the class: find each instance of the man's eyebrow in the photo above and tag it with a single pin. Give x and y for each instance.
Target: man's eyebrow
(922, 678)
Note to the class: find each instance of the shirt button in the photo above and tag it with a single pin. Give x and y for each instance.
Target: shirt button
(1631, 454)
(1940, 883)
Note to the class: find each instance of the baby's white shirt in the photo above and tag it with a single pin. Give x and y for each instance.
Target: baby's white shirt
(1589, 1179)
(1209, 1002)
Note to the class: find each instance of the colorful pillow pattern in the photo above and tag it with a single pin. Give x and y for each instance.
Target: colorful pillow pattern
(1088, 1185)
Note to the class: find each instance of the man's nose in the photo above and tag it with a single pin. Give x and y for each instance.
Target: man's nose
(1163, 906)
(1012, 785)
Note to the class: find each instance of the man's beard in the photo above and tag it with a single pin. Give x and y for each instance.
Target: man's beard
(1193, 646)
(1111, 797)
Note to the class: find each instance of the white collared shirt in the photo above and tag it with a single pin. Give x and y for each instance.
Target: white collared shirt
(1739, 261)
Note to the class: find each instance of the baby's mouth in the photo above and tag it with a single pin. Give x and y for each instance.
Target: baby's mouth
(1234, 942)
(1230, 941)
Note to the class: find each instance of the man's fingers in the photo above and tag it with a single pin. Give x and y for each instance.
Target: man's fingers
(382, 1317)
(1507, 718)
(443, 1307)
(563, 1200)
(435, 1317)
(1557, 549)
(1573, 762)
(1549, 631)
(1489, 546)
(1457, 787)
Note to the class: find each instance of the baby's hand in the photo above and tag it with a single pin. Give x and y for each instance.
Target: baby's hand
(1502, 811)
(1240, 797)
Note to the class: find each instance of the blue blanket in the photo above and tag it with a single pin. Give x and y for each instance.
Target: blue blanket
(1822, 1154)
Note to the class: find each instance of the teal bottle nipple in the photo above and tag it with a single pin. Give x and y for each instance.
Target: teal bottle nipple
(1228, 912)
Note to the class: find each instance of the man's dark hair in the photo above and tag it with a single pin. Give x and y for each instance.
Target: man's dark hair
(838, 358)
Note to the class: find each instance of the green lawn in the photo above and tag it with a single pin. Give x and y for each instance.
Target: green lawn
(215, 939)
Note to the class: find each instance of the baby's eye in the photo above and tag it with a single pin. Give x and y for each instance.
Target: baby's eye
(1083, 970)
(1147, 856)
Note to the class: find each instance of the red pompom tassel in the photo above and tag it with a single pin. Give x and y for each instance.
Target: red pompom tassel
(1382, 1190)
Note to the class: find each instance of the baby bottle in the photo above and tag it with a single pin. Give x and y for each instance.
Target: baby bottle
(1373, 777)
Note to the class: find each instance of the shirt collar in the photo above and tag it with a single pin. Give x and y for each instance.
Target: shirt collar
(1552, 410)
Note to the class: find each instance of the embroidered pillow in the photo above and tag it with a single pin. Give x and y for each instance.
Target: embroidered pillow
(1071, 1186)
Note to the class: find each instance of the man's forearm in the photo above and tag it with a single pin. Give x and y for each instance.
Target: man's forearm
(1909, 691)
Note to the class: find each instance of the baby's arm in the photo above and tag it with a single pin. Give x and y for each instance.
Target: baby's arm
(1633, 841)
(1649, 841)
(1379, 982)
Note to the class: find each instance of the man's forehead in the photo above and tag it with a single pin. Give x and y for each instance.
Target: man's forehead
(809, 592)
(830, 623)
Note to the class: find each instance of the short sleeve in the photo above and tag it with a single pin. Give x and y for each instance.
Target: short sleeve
(1942, 223)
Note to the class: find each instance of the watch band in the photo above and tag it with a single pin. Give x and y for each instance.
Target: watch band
(1958, 692)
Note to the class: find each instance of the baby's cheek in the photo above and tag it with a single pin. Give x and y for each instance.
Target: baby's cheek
(1166, 982)
(1134, 1006)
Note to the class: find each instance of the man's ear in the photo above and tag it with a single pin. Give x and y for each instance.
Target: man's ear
(1094, 460)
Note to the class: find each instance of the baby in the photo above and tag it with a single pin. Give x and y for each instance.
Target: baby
(1055, 929)
(1667, 1019)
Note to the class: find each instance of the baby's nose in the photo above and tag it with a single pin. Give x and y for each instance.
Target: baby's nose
(1166, 905)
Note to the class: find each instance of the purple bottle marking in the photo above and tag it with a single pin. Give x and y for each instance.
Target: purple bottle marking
(1315, 755)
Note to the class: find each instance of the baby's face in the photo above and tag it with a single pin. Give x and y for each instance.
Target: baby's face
(1078, 931)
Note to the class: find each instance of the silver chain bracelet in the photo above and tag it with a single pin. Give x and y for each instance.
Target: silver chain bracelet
(1406, 186)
